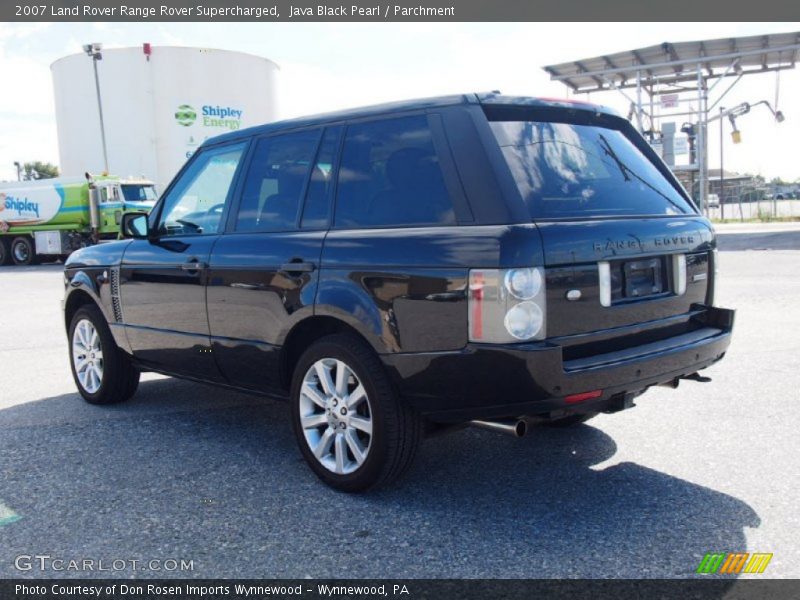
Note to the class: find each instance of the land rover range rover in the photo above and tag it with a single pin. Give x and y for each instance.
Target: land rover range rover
(392, 270)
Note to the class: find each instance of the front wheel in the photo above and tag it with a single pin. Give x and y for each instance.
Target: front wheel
(102, 372)
(353, 430)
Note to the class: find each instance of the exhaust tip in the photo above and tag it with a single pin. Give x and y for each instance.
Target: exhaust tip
(516, 428)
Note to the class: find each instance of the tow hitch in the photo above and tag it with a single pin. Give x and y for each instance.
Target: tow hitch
(620, 402)
(697, 377)
(673, 383)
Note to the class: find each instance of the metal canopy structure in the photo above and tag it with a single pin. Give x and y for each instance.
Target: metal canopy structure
(671, 69)
(671, 64)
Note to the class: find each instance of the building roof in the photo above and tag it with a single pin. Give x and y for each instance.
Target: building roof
(673, 63)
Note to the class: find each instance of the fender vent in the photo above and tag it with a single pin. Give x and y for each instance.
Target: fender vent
(116, 305)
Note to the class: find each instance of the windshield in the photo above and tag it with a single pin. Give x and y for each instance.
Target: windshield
(138, 192)
(568, 170)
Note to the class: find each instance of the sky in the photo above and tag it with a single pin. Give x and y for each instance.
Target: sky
(331, 66)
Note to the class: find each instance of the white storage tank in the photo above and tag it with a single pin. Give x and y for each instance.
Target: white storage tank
(159, 103)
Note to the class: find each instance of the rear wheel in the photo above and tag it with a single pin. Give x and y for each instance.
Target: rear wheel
(102, 372)
(4, 256)
(352, 429)
(22, 251)
(570, 421)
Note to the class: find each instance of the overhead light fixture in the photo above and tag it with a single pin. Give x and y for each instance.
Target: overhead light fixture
(94, 50)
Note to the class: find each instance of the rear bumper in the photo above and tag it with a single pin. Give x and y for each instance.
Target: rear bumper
(495, 381)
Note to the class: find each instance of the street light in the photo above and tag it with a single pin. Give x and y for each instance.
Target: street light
(94, 51)
(19, 170)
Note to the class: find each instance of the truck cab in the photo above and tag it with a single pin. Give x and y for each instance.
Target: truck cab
(116, 196)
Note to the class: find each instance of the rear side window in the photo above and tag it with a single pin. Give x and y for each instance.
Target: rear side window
(390, 176)
(566, 170)
(275, 181)
(318, 196)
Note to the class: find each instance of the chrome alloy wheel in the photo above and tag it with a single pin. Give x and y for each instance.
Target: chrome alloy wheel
(336, 416)
(87, 356)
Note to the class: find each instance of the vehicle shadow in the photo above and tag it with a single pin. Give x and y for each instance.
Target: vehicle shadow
(171, 475)
(767, 240)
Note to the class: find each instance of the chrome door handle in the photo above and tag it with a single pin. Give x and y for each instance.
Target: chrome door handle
(298, 267)
(249, 286)
(193, 265)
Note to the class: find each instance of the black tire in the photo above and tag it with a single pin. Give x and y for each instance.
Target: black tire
(396, 427)
(119, 377)
(570, 421)
(4, 255)
(22, 251)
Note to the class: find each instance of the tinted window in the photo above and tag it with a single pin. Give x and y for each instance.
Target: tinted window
(578, 170)
(315, 212)
(138, 193)
(390, 176)
(196, 202)
(275, 180)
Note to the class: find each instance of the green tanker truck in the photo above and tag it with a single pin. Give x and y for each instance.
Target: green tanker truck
(50, 218)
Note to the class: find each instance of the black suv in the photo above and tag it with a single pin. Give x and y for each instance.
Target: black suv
(409, 267)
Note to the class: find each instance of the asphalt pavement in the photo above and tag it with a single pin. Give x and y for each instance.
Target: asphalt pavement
(186, 472)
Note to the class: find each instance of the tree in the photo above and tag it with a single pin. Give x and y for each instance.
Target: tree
(39, 170)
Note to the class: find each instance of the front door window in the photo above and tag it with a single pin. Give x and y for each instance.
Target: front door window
(195, 204)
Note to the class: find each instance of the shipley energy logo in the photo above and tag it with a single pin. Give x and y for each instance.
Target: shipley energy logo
(185, 115)
(212, 116)
(22, 206)
(733, 563)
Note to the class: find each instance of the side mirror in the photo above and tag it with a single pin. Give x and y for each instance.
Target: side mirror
(134, 225)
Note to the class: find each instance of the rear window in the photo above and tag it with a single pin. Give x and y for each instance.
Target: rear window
(566, 170)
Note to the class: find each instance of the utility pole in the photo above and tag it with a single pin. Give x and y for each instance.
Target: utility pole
(94, 51)
(721, 167)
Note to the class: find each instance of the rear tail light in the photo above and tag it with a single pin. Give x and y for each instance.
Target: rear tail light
(507, 305)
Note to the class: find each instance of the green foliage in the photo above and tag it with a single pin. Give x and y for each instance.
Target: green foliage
(39, 170)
